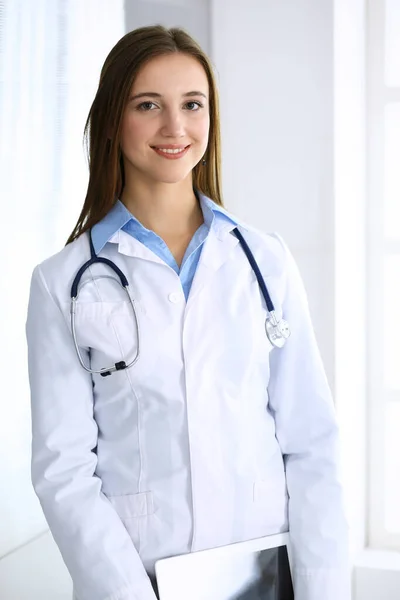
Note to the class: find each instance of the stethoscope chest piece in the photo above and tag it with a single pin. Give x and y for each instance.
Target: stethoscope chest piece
(277, 331)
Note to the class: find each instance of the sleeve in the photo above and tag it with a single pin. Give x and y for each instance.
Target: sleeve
(306, 429)
(96, 548)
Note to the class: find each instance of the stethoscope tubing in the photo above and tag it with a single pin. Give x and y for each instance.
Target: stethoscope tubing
(277, 330)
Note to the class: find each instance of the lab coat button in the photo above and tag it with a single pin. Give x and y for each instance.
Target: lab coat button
(174, 297)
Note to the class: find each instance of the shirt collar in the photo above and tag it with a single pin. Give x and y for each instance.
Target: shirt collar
(119, 217)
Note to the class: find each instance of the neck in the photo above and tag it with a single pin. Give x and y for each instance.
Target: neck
(166, 209)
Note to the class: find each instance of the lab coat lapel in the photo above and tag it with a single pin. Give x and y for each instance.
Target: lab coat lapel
(218, 248)
(130, 246)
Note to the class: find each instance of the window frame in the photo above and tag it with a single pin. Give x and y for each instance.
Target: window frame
(379, 95)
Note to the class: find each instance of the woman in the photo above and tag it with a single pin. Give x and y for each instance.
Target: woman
(206, 431)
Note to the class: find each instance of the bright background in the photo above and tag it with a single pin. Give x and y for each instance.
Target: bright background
(310, 101)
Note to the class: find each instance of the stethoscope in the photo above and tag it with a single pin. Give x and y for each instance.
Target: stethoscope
(277, 329)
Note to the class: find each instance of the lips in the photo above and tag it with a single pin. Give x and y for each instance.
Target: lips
(171, 146)
(175, 151)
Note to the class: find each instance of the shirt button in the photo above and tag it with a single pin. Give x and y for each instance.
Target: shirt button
(174, 297)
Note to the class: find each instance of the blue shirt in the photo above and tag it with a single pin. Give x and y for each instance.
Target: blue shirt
(119, 217)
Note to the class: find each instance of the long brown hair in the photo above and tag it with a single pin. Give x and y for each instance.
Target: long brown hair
(103, 125)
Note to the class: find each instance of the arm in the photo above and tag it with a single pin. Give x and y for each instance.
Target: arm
(306, 429)
(96, 548)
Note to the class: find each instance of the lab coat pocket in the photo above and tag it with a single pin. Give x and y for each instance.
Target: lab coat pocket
(102, 326)
(110, 331)
(132, 510)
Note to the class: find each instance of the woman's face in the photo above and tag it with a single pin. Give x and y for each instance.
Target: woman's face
(171, 112)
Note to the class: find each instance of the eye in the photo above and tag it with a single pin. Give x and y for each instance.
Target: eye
(145, 106)
(195, 103)
(192, 106)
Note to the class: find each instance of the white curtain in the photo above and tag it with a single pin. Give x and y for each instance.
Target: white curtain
(51, 53)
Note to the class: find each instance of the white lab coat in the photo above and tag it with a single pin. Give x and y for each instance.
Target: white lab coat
(183, 451)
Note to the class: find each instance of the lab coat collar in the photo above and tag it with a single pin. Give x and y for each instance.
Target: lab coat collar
(109, 228)
(217, 247)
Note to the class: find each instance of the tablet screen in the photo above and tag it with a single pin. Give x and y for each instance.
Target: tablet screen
(253, 570)
(272, 578)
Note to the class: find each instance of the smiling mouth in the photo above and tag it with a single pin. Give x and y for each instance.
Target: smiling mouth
(166, 152)
(171, 148)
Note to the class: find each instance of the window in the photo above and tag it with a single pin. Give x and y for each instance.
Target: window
(51, 52)
(383, 65)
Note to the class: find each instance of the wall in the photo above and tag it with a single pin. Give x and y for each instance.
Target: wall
(193, 15)
(275, 67)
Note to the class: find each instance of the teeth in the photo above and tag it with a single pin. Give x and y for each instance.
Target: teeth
(171, 151)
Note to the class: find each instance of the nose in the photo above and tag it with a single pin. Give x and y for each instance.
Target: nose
(173, 123)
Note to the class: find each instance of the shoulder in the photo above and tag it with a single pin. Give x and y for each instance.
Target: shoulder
(275, 261)
(265, 246)
(268, 248)
(271, 243)
(58, 271)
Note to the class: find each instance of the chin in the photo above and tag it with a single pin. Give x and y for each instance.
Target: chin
(173, 176)
(171, 179)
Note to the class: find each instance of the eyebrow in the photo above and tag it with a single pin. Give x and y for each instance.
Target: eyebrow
(155, 95)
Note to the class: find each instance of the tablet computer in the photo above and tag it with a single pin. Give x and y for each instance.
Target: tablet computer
(257, 569)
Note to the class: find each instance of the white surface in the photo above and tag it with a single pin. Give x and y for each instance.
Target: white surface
(392, 42)
(382, 385)
(377, 575)
(218, 574)
(350, 254)
(391, 183)
(35, 572)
